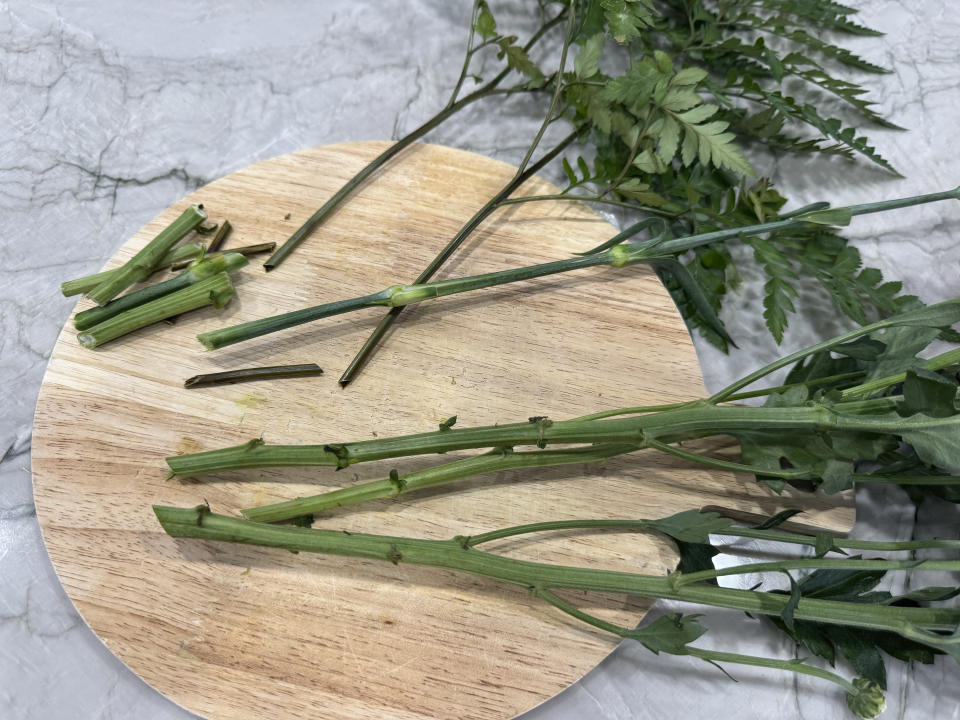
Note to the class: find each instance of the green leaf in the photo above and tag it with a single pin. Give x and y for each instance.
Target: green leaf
(837, 476)
(929, 393)
(863, 655)
(823, 543)
(695, 294)
(669, 633)
(935, 440)
(689, 76)
(695, 557)
(518, 60)
(840, 584)
(777, 520)
(448, 423)
(585, 64)
(691, 526)
(486, 26)
(790, 608)
(865, 348)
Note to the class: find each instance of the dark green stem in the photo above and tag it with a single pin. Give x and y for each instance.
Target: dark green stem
(147, 259)
(246, 251)
(272, 372)
(377, 163)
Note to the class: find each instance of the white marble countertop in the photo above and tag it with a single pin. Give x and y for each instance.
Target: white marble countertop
(109, 114)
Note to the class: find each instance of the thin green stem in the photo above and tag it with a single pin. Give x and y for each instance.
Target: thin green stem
(223, 232)
(187, 251)
(800, 473)
(892, 321)
(590, 199)
(381, 160)
(951, 357)
(681, 579)
(840, 543)
(495, 461)
(143, 262)
(796, 666)
(489, 207)
(215, 290)
(198, 271)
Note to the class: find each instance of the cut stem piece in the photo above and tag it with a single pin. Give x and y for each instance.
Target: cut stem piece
(199, 270)
(250, 374)
(180, 254)
(215, 290)
(143, 263)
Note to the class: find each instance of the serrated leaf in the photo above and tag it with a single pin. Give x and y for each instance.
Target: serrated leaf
(680, 99)
(518, 60)
(862, 655)
(585, 63)
(669, 139)
(689, 76)
(935, 440)
(486, 26)
(929, 393)
(837, 476)
(697, 114)
(695, 294)
(669, 633)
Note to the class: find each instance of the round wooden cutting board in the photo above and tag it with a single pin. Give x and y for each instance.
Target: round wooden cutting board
(239, 632)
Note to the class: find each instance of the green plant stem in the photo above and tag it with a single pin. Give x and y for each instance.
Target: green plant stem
(199, 522)
(695, 421)
(495, 461)
(732, 530)
(383, 158)
(951, 357)
(488, 208)
(713, 656)
(397, 296)
(215, 290)
(187, 251)
(892, 321)
(682, 579)
(198, 271)
(143, 262)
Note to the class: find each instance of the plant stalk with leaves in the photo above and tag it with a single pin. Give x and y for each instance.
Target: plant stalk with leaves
(834, 596)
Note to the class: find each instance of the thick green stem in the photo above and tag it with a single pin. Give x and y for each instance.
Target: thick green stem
(695, 421)
(489, 207)
(187, 251)
(452, 554)
(143, 263)
(381, 160)
(495, 461)
(198, 271)
(215, 290)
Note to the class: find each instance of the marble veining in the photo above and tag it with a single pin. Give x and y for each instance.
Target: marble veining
(108, 114)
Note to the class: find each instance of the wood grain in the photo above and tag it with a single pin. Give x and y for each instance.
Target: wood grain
(237, 632)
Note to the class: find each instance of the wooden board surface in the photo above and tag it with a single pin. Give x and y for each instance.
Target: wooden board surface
(237, 632)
